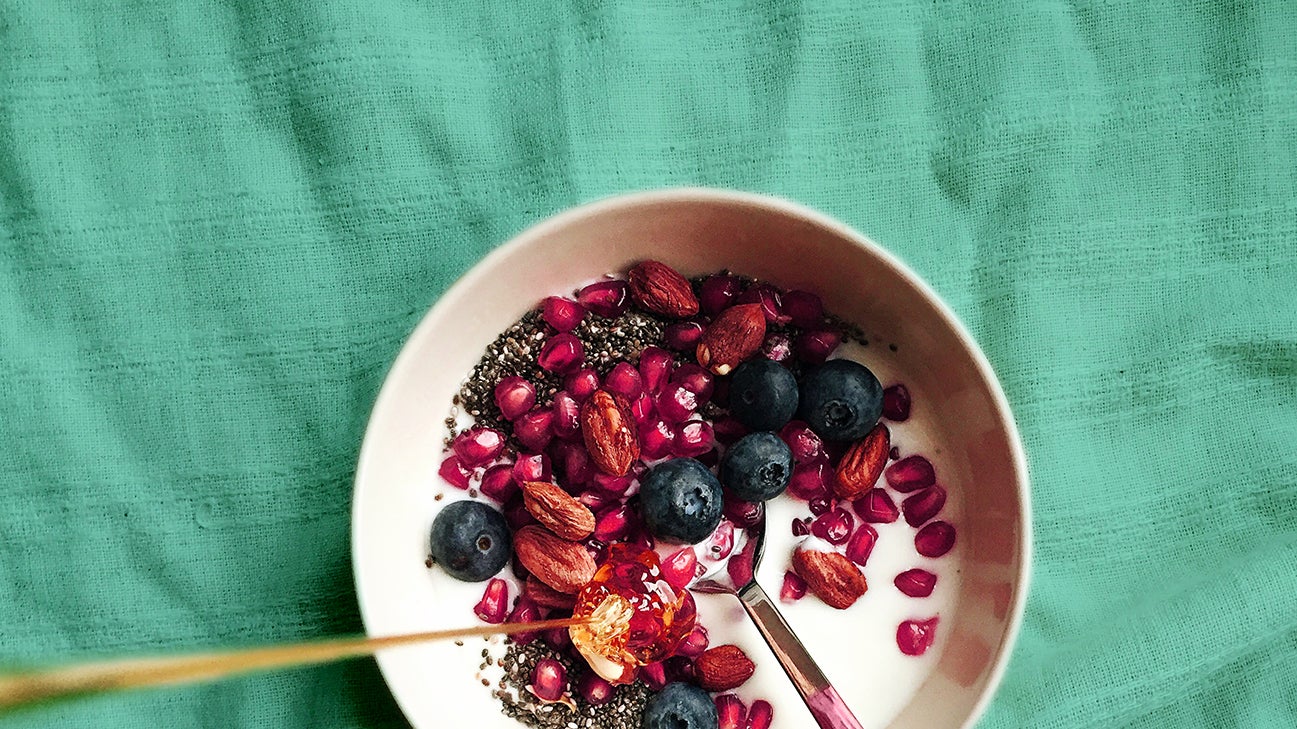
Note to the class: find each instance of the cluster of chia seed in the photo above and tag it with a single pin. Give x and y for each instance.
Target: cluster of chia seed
(623, 711)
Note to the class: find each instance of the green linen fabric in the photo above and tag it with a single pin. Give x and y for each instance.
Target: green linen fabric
(219, 221)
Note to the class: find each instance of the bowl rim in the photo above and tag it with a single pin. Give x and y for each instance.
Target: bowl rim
(782, 206)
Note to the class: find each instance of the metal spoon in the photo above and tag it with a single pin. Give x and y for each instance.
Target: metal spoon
(737, 577)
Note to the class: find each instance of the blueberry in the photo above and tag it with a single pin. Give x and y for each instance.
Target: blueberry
(841, 400)
(680, 706)
(757, 467)
(763, 394)
(470, 540)
(681, 501)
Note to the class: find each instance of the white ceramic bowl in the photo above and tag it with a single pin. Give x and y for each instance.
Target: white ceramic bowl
(961, 420)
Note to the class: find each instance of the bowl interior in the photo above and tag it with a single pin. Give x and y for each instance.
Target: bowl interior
(701, 231)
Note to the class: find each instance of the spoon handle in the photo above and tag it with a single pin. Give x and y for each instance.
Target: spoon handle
(127, 673)
(828, 708)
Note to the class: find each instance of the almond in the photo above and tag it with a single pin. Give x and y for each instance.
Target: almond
(609, 432)
(830, 576)
(546, 596)
(723, 668)
(563, 565)
(659, 288)
(557, 509)
(862, 464)
(733, 336)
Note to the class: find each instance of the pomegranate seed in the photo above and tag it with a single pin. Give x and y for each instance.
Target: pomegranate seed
(567, 416)
(777, 347)
(710, 459)
(914, 637)
(531, 467)
(728, 430)
(613, 524)
(561, 354)
(608, 299)
(693, 438)
(770, 299)
(924, 505)
(624, 380)
(680, 668)
(514, 396)
(581, 384)
(910, 474)
(804, 309)
(802, 441)
(518, 570)
(615, 485)
(596, 500)
(834, 450)
(821, 504)
(876, 507)
(760, 715)
(801, 527)
(680, 567)
(935, 539)
(548, 679)
(721, 542)
(743, 513)
(740, 565)
(454, 473)
(594, 689)
(675, 403)
(834, 527)
(516, 514)
(597, 549)
(695, 643)
(655, 366)
(655, 440)
(494, 604)
(896, 403)
(574, 461)
(916, 582)
(862, 544)
(815, 347)
(525, 611)
(683, 336)
(643, 409)
(716, 293)
(562, 313)
(721, 395)
(535, 429)
(730, 711)
(654, 675)
(557, 638)
(794, 587)
(497, 482)
(695, 379)
(810, 480)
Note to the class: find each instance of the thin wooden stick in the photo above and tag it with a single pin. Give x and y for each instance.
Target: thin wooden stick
(128, 673)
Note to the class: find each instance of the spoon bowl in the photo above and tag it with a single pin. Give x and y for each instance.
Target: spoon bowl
(737, 576)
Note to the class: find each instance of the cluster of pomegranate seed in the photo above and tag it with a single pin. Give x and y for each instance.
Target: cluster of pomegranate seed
(912, 479)
(733, 714)
(666, 392)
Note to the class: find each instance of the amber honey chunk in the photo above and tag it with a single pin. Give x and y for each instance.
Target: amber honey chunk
(636, 617)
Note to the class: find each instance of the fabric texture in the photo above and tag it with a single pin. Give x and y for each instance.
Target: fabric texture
(219, 221)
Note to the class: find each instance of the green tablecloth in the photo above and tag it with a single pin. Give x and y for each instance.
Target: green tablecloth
(217, 225)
